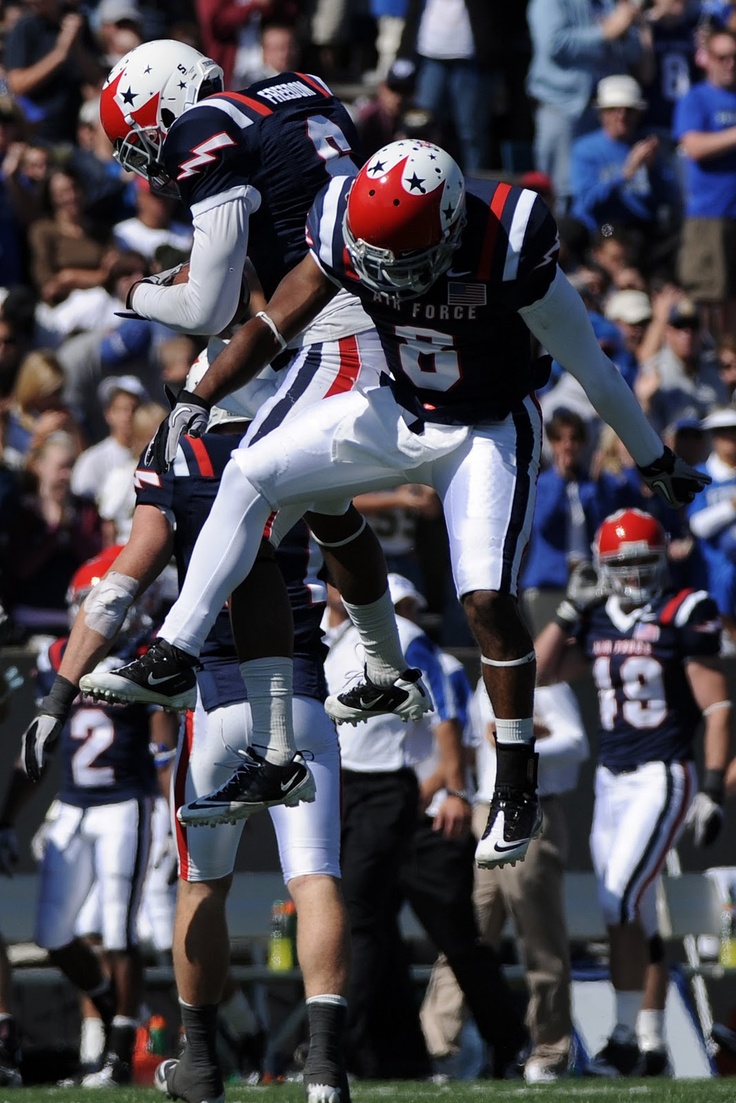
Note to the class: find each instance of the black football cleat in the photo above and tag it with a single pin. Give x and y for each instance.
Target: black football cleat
(179, 1080)
(165, 675)
(255, 784)
(515, 816)
(407, 698)
(619, 1057)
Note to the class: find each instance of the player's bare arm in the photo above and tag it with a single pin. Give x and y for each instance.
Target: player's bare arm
(710, 690)
(147, 552)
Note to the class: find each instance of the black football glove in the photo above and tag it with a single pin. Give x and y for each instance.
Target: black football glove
(42, 734)
(705, 815)
(584, 592)
(39, 740)
(673, 479)
(189, 416)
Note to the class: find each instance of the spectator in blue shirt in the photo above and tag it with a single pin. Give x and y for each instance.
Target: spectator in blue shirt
(570, 506)
(574, 44)
(713, 517)
(705, 126)
(620, 177)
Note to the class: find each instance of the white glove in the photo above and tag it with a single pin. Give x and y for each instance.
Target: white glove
(705, 818)
(8, 851)
(189, 416)
(673, 479)
(40, 839)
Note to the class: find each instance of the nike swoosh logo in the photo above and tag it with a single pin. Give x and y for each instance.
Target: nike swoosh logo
(154, 681)
(374, 702)
(285, 784)
(502, 849)
(452, 274)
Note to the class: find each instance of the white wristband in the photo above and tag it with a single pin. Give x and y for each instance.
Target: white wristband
(272, 326)
(716, 707)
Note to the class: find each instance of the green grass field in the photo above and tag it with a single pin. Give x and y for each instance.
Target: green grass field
(569, 1091)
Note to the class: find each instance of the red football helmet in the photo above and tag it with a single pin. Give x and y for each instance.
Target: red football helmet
(631, 555)
(404, 217)
(145, 92)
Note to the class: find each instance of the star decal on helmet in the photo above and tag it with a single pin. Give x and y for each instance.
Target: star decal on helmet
(147, 69)
(182, 84)
(449, 212)
(377, 167)
(416, 184)
(129, 97)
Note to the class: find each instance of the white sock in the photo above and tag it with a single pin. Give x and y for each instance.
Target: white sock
(238, 1014)
(515, 731)
(91, 1041)
(269, 683)
(650, 1029)
(376, 624)
(628, 1006)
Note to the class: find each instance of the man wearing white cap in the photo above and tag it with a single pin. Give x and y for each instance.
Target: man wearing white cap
(631, 311)
(618, 175)
(119, 396)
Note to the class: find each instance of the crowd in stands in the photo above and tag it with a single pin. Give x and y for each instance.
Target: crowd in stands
(621, 114)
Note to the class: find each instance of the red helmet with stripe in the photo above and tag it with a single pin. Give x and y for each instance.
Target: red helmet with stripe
(405, 213)
(631, 554)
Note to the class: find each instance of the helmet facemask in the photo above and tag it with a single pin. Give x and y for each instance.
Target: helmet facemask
(405, 275)
(637, 577)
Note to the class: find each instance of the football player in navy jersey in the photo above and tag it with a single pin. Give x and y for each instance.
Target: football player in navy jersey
(247, 166)
(101, 835)
(653, 651)
(170, 510)
(455, 284)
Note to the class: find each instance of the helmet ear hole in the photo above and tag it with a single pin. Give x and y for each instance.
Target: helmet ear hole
(168, 118)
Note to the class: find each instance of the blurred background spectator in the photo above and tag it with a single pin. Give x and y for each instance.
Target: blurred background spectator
(67, 252)
(49, 57)
(51, 535)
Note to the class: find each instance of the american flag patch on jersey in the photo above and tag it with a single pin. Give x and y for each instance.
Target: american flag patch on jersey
(466, 294)
(647, 632)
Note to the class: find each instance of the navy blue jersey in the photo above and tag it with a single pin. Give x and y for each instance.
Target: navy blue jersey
(647, 710)
(285, 137)
(460, 353)
(104, 749)
(186, 493)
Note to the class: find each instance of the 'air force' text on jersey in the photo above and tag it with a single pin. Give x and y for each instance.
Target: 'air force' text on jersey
(459, 353)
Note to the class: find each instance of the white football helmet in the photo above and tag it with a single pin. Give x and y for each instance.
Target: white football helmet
(404, 217)
(145, 92)
(631, 555)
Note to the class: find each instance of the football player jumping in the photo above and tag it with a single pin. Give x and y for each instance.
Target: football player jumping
(247, 166)
(454, 283)
(654, 657)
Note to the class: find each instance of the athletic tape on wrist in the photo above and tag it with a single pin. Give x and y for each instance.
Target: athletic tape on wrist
(272, 326)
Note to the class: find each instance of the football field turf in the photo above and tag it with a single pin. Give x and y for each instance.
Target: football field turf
(569, 1091)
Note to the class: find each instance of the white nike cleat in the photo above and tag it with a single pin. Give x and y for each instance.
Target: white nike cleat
(254, 785)
(163, 676)
(407, 698)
